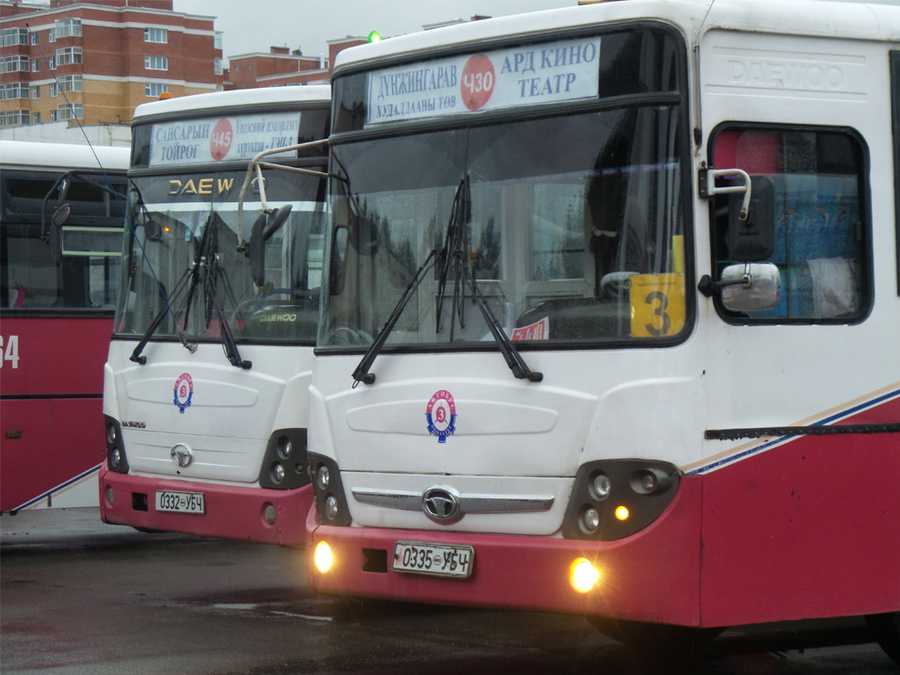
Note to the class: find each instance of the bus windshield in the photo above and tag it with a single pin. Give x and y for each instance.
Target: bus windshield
(571, 223)
(168, 216)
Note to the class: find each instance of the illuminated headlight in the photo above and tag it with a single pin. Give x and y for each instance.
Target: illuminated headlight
(323, 557)
(115, 458)
(600, 486)
(583, 575)
(278, 473)
(285, 447)
(323, 477)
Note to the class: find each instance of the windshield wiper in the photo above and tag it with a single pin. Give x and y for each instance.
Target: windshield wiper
(214, 273)
(457, 253)
(362, 374)
(160, 315)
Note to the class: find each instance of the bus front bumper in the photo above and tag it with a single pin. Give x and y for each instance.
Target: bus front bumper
(650, 576)
(244, 513)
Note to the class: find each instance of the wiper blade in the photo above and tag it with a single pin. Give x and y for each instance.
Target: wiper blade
(158, 319)
(453, 255)
(362, 374)
(510, 354)
(232, 353)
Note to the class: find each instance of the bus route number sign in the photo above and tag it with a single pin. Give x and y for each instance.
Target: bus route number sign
(9, 351)
(657, 304)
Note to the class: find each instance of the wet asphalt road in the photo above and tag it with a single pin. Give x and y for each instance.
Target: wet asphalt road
(166, 604)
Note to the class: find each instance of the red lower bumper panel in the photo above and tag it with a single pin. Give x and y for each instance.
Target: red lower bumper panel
(651, 576)
(251, 514)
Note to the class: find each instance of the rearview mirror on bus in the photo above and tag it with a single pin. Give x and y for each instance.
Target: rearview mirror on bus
(264, 228)
(60, 214)
(750, 287)
(753, 239)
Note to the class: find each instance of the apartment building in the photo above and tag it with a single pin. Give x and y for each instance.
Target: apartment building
(282, 67)
(97, 60)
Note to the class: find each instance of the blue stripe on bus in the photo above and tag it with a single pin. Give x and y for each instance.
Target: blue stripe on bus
(59, 487)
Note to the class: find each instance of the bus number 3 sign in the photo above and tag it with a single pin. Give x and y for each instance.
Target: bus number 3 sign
(657, 304)
(9, 350)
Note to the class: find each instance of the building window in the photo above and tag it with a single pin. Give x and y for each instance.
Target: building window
(15, 118)
(817, 182)
(10, 37)
(217, 40)
(35, 91)
(10, 92)
(156, 62)
(67, 28)
(155, 89)
(35, 37)
(69, 56)
(66, 83)
(158, 36)
(65, 113)
(218, 67)
(35, 65)
(15, 64)
(51, 35)
(35, 118)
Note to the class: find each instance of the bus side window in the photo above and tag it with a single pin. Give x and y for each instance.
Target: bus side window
(821, 220)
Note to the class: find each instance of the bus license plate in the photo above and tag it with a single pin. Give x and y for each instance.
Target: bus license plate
(442, 560)
(181, 502)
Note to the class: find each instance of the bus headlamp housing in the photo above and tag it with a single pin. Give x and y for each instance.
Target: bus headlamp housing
(615, 498)
(116, 459)
(284, 465)
(331, 503)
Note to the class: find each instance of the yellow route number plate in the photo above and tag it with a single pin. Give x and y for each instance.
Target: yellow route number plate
(657, 304)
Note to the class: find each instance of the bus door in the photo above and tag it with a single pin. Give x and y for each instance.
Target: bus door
(794, 345)
(55, 310)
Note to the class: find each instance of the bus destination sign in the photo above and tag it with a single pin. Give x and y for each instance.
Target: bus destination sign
(221, 139)
(553, 72)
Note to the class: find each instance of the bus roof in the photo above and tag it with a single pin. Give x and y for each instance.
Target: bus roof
(873, 20)
(241, 97)
(31, 155)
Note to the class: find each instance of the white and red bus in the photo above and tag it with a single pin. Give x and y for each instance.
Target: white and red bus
(611, 315)
(61, 214)
(206, 381)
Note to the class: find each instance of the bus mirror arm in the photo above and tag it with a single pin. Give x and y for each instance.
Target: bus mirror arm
(709, 288)
(254, 173)
(709, 189)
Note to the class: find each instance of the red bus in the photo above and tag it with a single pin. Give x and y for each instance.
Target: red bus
(61, 214)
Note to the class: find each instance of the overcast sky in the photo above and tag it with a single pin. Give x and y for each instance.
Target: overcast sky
(252, 26)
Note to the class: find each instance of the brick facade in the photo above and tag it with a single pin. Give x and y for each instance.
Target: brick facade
(281, 67)
(107, 43)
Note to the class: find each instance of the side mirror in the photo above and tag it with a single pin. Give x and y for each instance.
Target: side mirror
(264, 228)
(753, 239)
(61, 214)
(750, 287)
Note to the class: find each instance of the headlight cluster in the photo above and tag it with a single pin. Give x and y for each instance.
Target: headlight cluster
(331, 504)
(115, 446)
(284, 464)
(615, 498)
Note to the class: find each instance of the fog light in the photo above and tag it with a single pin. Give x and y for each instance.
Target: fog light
(323, 557)
(111, 435)
(590, 520)
(583, 575)
(277, 473)
(110, 496)
(323, 477)
(115, 458)
(600, 486)
(331, 507)
(270, 514)
(285, 447)
(622, 513)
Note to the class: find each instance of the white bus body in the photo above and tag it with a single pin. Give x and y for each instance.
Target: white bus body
(198, 441)
(691, 460)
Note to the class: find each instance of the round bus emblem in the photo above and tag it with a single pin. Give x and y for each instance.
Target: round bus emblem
(183, 392)
(220, 140)
(478, 80)
(440, 413)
